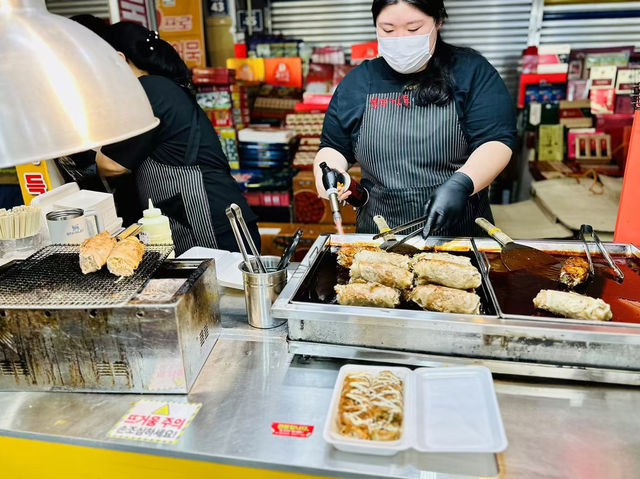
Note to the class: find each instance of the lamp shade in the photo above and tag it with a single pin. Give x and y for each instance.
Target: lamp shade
(62, 88)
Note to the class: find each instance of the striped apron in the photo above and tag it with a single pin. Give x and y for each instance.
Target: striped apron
(180, 193)
(406, 152)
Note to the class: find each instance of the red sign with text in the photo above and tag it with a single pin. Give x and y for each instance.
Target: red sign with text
(291, 430)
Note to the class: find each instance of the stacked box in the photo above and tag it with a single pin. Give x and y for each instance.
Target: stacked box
(217, 103)
(308, 127)
(241, 112)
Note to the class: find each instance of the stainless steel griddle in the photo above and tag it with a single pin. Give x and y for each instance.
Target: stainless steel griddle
(522, 345)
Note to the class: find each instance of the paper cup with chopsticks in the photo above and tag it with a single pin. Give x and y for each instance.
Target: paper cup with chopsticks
(261, 290)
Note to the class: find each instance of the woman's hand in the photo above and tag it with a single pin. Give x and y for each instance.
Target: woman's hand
(448, 203)
(335, 160)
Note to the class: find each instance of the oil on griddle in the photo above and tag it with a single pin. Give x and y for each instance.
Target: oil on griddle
(52, 278)
(325, 273)
(515, 290)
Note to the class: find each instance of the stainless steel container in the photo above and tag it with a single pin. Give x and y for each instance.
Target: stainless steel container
(261, 290)
(532, 346)
(157, 342)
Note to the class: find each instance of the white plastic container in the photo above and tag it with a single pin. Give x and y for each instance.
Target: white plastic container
(445, 410)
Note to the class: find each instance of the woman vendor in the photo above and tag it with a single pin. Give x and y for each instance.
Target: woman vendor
(180, 164)
(430, 124)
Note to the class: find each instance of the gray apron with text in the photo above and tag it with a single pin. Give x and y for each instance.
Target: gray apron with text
(406, 152)
(180, 193)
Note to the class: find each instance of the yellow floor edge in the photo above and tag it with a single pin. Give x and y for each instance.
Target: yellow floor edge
(29, 459)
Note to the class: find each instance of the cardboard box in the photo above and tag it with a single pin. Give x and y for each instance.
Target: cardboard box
(576, 114)
(603, 102)
(628, 78)
(308, 208)
(603, 78)
(592, 148)
(277, 236)
(551, 143)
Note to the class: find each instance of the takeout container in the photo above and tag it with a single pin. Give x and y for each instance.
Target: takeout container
(445, 410)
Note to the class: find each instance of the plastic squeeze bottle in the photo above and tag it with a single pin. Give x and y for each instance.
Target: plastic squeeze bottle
(155, 226)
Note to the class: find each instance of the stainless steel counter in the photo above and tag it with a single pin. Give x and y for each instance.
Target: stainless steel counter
(555, 430)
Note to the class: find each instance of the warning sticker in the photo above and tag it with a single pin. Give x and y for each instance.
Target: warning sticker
(291, 430)
(155, 421)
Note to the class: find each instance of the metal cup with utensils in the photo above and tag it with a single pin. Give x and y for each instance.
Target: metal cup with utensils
(234, 213)
(261, 290)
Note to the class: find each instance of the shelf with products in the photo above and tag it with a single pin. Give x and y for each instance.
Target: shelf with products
(584, 120)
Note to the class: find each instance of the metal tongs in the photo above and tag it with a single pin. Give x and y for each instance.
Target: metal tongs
(397, 229)
(588, 230)
(235, 217)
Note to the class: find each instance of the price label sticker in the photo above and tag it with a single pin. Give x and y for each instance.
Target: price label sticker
(291, 430)
(155, 421)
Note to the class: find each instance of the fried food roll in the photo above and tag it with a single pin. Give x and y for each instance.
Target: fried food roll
(371, 407)
(347, 252)
(367, 294)
(575, 271)
(383, 273)
(387, 402)
(354, 410)
(382, 257)
(445, 300)
(453, 275)
(95, 251)
(573, 305)
(126, 256)
(449, 258)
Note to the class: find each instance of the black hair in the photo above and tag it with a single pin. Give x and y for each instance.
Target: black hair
(97, 25)
(435, 83)
(147, 51)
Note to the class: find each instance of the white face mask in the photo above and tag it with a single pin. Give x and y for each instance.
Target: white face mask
(406, 54)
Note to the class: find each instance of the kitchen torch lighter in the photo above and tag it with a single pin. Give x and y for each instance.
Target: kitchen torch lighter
(332, 180)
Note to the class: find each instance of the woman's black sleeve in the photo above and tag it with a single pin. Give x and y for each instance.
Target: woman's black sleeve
(132, 152)
(334, 132)
(489, 111)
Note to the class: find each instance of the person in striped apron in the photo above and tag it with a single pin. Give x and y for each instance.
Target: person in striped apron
(180, 164)
(430, 124)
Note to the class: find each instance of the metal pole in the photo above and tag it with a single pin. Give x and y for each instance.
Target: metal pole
(250, 17)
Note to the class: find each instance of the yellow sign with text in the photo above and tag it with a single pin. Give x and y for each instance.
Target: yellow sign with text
(181, 24)
(34, 180)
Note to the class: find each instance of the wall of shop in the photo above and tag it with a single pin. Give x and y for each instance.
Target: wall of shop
(67, 8)
(499, 30)
(590, 25)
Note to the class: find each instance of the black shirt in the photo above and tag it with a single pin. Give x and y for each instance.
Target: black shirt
(167, 144)
(484, 106)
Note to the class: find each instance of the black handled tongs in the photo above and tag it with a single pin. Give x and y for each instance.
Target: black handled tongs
(588, 230)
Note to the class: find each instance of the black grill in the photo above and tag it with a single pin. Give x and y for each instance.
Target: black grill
(51, 278)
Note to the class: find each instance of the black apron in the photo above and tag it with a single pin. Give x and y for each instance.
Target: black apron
(406, 152)
(180, 193)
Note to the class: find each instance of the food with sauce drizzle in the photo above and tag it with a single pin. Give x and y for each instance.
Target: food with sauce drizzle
(371, 406)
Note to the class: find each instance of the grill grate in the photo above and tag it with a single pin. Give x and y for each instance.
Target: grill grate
(51, 278)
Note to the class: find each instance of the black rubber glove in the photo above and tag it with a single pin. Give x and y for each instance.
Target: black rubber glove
(448, 203)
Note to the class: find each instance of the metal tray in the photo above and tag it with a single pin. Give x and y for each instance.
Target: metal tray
(51, 278)
(566, 248)
(575, 346)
